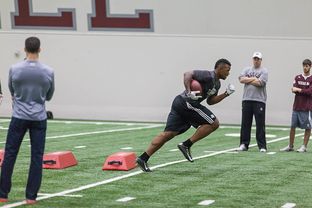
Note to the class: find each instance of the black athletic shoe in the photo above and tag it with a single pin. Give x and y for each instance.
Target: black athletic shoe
(143, 165)
(186, 152)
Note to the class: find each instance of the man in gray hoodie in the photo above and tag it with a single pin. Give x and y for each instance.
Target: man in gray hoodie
(254, 79)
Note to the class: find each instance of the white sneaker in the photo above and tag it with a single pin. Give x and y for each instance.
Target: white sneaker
(263, 150)
(302, 149)
(242, 147)
(287, 149)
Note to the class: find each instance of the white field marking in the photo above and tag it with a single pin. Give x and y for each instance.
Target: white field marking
(140, 124)
(80, 147)
(99, 132)
(67, 195)
(101, 123)
(173, 150)
(267, 128)
(209, 151)
(206, 202)
(252, 135)
(3, 128)
(118, 178)
(271, 153)
(126, 148)
(125, 199)
(289, 205)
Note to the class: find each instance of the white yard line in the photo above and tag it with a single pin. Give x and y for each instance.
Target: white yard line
(267, 128)
(92, 185)
(206, 202)
(94, 122)
(125, 199)
(98, 132)
(289, 205)
(67, 195)
(137, 124)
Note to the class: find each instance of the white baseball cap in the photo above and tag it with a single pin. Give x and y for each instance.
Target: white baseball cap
(257, 55)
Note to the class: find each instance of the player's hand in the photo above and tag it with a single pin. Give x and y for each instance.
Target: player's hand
(295, 89)
(193, 95)
(230, 89)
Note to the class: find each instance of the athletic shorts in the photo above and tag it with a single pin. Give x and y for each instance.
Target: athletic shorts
(183, 115)
(301, 119)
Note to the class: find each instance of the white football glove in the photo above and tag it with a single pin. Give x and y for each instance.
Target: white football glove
(193, 95)
(230, 89)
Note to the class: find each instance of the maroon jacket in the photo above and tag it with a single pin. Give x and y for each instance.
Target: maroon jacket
(303, 100)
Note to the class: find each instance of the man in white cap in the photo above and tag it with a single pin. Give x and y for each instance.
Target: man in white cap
(254, 79)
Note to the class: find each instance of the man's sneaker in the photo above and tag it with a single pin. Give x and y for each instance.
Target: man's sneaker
(302, 149)
(287, 149)
(3, 200)
(143, 165)
(186, 152)
(242, 147)
(31, 201)
(263, 150)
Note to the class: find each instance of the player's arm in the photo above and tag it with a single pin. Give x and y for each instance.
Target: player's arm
(247, 80)
(261, 81)
(216, 99)
(188, 76)
(256, 82)
(307, 91)
(51, 90)
(11, 84)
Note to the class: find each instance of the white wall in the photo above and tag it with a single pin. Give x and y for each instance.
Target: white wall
(135, 76)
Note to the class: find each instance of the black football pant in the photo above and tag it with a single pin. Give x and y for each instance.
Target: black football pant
(250, 109)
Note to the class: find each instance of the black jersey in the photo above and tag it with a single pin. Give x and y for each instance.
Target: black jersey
(209, 83)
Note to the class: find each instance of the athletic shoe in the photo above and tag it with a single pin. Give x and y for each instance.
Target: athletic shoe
(263, 150)
(302, 149)
(31, 201)
(287, 149)
(186, 152)
(143, 165)
(3, 200)
(242, 147)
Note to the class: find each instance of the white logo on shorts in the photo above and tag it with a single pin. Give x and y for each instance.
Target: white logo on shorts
(212, 116)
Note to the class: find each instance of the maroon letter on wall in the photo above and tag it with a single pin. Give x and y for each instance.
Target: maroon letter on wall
(102, 20)
(24, 18)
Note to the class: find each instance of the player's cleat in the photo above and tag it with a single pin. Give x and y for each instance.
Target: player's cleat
(186, 152)
(3, 200)
(242, 147)
(31, 201)
(143, 165)
(287, 149)
(302, 149)
(263, 150)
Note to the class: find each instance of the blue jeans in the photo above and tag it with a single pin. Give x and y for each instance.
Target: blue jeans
(16, 133)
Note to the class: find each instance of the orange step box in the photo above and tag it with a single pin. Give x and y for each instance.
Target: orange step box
(59, 160)
(120, 161)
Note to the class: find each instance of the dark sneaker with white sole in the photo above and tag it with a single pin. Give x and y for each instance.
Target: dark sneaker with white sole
(186, 152)
(143, 165)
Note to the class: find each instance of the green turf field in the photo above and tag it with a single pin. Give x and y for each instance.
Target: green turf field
(231, 179)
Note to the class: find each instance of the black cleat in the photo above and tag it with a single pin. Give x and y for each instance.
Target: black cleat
(186, 152)
(143, 165)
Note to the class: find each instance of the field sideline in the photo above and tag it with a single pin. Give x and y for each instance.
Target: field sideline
(219, 174)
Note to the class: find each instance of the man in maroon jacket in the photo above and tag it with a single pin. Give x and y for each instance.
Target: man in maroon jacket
(301, 116)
